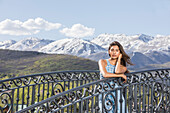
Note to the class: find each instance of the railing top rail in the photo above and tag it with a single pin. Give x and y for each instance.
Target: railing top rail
(74, 71)
(149, 70)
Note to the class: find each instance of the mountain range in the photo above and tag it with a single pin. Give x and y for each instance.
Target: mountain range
(143, 49)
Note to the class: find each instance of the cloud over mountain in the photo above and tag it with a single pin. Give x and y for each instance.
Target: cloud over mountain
(78, 31)
(29, 27)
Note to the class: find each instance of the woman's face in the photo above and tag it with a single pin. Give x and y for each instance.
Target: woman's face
(114, 52)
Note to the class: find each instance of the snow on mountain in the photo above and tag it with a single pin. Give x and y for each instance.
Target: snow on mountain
(145, 38)
(74, 46)
(105, 39)
(6, 44)
(128, 42)
(30, 44)
(143, 49)
(159, 43)
(136, 43)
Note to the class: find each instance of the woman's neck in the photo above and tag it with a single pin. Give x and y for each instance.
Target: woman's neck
(113, 61)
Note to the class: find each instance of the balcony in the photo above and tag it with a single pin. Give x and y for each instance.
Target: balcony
(78, 92)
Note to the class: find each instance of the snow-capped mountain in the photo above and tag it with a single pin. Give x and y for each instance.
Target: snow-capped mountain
(128, 42)
(143, 49)
(75, 46)
(30, 44)
(136, 43)
(159, 43)
(6, 44)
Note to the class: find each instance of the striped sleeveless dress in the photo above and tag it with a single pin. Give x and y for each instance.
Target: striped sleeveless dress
(109, 97)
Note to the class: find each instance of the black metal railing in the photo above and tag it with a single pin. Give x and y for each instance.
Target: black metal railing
(80, 92)
(20, 92)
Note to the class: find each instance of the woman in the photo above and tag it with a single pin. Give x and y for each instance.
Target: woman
(115, 66)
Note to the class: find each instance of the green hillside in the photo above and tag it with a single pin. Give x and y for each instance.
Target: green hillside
(29, 62)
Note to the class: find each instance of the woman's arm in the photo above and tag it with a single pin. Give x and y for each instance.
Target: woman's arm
(120, 68)
(102, 67)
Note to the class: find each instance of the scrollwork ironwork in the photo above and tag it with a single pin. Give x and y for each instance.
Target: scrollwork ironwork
(6, 102)
(72, 89)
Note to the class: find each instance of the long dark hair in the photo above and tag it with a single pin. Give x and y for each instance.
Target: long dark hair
(125, 58)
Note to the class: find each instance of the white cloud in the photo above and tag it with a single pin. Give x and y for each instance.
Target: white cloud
(29, 27)
(78, 31)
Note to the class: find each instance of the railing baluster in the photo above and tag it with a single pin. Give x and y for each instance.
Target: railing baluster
(17, 99)
(144, 100)
(48, 92)
(75, 108)
(81, 107)
(92, 101)
(28, 96)
(12, 100)
(96, 104)
(92, 104)
(126, 102)
(166, 94)
(33, 94)
(67, 100)
(121, 100)
(139, 97)
(117, 101)
(63, 102)
(130, 98)
(43, 91)
(33, 97)
(52, 89)
(38, 95)
(148, 96)
(151, 104)
(135, 98)
(23, 96)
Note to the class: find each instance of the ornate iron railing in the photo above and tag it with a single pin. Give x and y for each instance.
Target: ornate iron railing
(79, 91)
(20, 92)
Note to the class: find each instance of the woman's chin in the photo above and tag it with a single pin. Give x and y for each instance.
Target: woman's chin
(113, 58)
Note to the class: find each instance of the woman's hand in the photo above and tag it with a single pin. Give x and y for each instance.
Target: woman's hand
(120, 56)
(125, 78)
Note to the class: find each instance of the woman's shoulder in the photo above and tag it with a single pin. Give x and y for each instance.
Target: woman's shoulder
(103, 61)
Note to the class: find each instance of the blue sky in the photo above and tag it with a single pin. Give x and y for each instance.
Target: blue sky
(58, 19)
